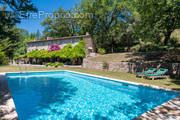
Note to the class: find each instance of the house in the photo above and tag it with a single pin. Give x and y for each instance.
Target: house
(45, 44)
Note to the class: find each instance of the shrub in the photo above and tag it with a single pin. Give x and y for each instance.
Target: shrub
(54, 64)
(69, 62)
(101, 51)
(48, 64)
(105, 65)
(60, 64)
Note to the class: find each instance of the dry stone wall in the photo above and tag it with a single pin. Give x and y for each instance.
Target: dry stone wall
(92, 65)
(132, 67)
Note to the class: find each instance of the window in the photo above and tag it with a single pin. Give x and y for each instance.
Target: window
(59, 42)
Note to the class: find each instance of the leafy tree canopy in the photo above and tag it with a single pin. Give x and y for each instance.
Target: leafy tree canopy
(157, 19)
(10, 36)
(60, 25)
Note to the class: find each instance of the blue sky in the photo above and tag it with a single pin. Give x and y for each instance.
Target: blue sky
(32, 25)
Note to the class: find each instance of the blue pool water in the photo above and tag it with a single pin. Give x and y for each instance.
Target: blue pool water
(63, 95)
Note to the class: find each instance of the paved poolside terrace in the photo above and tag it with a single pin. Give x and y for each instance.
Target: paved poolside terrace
(7, 107)
(166, 111)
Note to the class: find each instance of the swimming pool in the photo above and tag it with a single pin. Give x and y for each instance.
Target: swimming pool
(65, 95)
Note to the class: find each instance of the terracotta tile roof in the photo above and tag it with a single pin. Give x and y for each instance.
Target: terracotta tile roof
(62, 38)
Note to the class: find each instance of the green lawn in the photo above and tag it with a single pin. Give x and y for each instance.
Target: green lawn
(166, 83)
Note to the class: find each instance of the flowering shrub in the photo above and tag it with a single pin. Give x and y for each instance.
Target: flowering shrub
(54, 47)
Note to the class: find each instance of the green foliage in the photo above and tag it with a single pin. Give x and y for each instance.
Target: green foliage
(38, 54)
(48, 64)
(157, 20)
(69, 62)
(121, 25)
(102, 51)
(145, 47)
(11, 44)
(60, 27)
(54, 64)
(78, 50)
(15, 5)
(68, 52)
(11, 38)
(23, 38)
(105, 65)
(106, 20)
(3, 58)
(108, 23)
(116, 25)
(59, 64)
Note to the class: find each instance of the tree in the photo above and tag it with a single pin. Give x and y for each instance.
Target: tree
(108, 21)
(10, 37)
(61, 25)
(158, 18)
(19, 5)
(23, 38)
(16, 6)
(38, 34)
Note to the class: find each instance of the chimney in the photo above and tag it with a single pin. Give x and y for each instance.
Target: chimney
(49, 38)
(87, 33)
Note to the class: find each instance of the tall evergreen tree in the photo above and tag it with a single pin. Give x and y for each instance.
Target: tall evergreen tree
(9, 35)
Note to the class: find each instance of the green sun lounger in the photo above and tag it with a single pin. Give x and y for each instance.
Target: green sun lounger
(159, 74)
(150, 70)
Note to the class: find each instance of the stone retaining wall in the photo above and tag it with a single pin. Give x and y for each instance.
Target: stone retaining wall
(92, 65)
(132, 67)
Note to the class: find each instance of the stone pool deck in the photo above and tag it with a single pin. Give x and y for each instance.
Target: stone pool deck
(167, 111)
(7, 107)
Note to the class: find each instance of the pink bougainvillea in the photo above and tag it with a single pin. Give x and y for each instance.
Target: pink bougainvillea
(54, 47)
